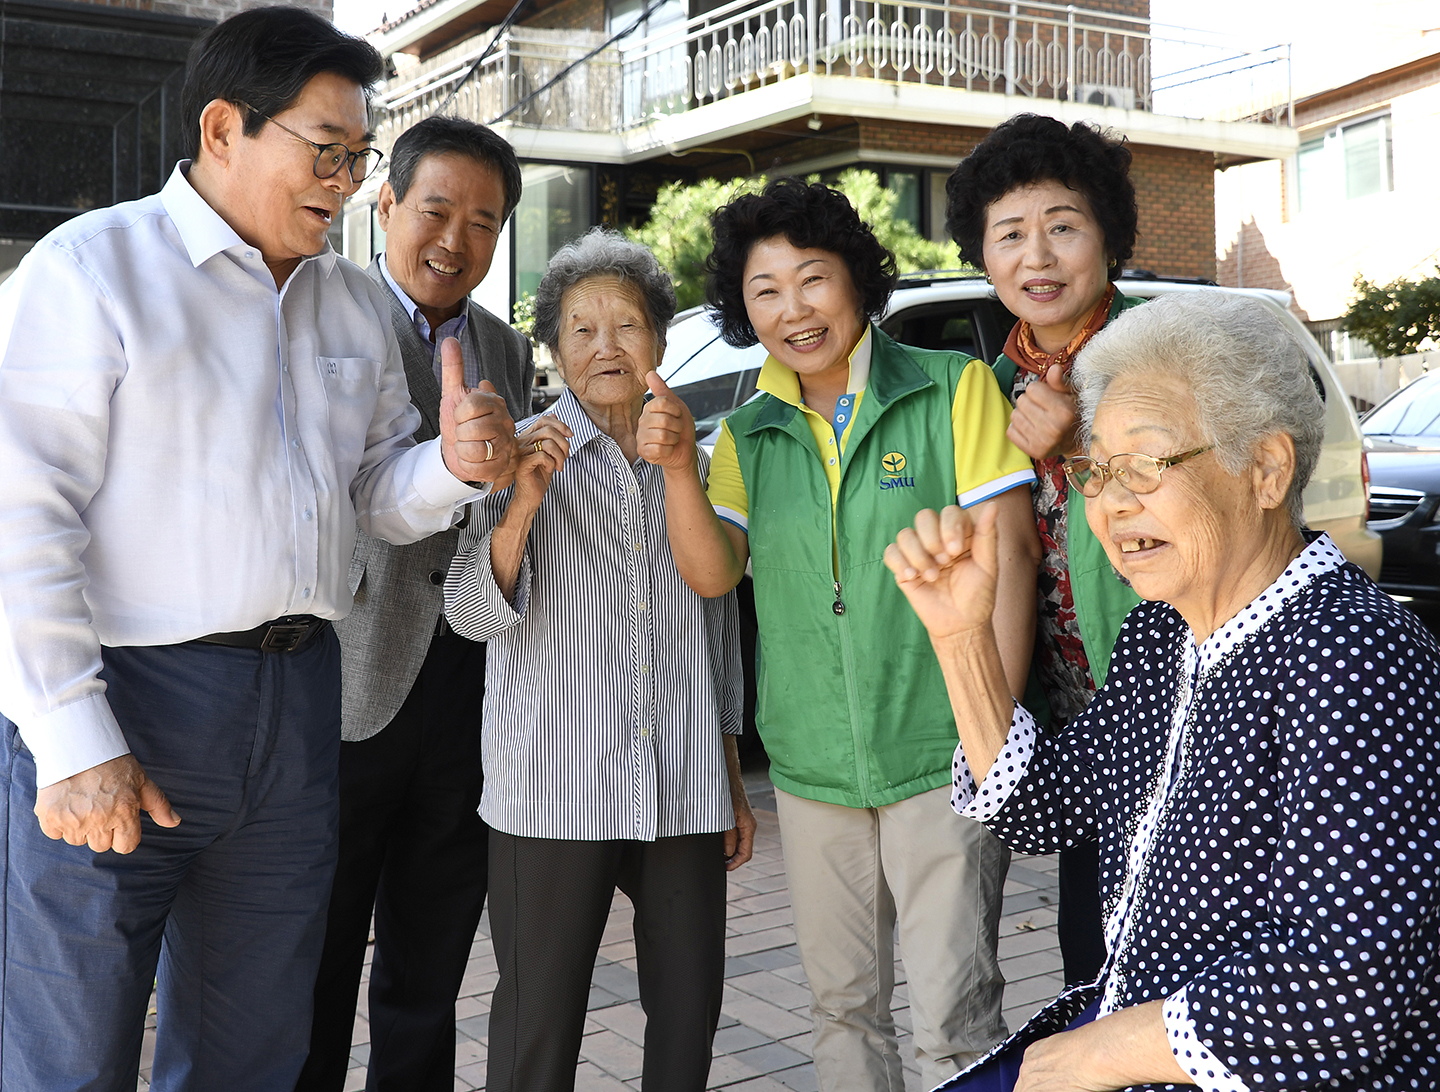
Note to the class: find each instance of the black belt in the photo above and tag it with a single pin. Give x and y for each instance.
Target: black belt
(280, 635)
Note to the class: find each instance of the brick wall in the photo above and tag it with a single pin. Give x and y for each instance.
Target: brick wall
(216, 10)
(570, 15)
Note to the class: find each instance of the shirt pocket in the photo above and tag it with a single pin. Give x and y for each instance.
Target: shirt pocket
(352, 391)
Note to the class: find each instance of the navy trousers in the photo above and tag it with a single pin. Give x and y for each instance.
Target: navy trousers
(227, 909)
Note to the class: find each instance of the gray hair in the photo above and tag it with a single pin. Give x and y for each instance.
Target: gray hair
(602, 253)
(1249, 375)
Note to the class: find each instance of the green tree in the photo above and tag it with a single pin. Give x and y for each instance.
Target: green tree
(678, 231)
(1397, 318)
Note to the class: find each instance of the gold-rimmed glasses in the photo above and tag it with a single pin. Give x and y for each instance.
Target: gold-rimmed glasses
(1137, 472)
(330, 158)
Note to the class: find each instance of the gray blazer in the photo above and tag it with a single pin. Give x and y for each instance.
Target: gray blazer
(399, 590)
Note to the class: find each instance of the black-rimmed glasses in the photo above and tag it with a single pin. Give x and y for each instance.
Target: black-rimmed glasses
(330, 158)
(1136, 472)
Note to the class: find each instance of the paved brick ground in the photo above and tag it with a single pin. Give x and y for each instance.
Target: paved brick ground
(763, 1044)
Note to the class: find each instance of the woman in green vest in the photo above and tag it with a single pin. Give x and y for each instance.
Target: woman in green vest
(1048, 211)
(851, 435)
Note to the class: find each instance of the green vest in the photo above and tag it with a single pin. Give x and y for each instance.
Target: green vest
(1101, 600)
(851, 704)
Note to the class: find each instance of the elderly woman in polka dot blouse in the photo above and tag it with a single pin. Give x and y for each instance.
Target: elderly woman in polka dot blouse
(1259, 767)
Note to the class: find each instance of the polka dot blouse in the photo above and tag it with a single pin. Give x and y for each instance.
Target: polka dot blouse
(1266, 808)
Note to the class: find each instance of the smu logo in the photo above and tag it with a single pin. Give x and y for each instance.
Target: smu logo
(893, 463)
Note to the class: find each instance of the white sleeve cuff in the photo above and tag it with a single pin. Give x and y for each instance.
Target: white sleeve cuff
(1009, 767)
(73, 738)
(438, 487)
(1194, 1056)
(987, 490)
(474, 604)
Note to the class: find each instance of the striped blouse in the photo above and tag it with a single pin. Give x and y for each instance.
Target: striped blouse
(608, 681)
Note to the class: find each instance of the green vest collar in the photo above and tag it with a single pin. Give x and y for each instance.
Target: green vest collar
(893, 374)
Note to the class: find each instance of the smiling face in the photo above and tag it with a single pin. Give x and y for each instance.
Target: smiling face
(265, 186)
(1045, 252)
(1191, 539)
(804, 307)
(440, 239)
(606, 345)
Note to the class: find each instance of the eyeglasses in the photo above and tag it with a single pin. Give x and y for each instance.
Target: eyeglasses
(1136, 472)
(332, 157)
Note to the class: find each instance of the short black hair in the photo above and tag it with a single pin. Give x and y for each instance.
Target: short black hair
(437, 135)
(1031, 148)
(263, 58)
(808, 215)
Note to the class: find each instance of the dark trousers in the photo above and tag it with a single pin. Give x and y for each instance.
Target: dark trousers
(1080, 920)
(413, 850)
(549, 900)
(228, 908)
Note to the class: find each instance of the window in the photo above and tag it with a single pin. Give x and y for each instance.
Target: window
(555, 209)
(1349, 161)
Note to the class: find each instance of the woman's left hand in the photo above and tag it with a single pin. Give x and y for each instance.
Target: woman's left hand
(1045, 421)
(740, 839)
(1127, 1047)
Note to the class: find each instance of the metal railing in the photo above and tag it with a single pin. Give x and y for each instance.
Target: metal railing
(1036, 50)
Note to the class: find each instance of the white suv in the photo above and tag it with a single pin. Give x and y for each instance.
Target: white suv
(960, 312)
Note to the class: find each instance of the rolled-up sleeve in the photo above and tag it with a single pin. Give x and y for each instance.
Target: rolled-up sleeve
(475, 607)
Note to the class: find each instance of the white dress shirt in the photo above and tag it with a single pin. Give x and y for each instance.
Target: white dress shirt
(186, 450)
(608, 682)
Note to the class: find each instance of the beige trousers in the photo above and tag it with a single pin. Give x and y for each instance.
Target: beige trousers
(855, 873)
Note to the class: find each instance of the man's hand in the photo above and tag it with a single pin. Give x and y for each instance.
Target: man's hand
(477, 433)
(540, 451)
(740, 839)
(948, 567)
(1045, 419)
(666, 433)
(100, 807)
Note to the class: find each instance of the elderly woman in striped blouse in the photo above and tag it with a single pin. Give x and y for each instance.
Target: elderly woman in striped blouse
(612, 699)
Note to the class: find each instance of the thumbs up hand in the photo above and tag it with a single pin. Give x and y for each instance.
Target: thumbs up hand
(477, 433)
(665, 435)
(1046, 417)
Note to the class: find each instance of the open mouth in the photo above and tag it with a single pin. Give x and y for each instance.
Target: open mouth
(1042, 293)
(807, 339)
(1140, 545)
(321, 213)
(443, 269)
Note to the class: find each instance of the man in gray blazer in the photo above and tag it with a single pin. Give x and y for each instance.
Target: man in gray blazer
(411, 844)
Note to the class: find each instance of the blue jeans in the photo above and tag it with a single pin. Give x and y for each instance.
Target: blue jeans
(228, 908)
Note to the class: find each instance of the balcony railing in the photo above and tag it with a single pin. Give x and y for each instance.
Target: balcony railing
(587, 81)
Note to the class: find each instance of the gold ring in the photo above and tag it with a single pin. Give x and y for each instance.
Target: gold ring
(489, 451)
(538, 444)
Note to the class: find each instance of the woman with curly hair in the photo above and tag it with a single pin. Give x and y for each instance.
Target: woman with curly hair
(1048, 211)
(851, 435)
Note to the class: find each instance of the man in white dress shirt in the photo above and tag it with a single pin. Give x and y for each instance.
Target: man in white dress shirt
(198, 401)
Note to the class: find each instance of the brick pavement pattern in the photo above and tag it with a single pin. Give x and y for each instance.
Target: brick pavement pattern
(763, 1043)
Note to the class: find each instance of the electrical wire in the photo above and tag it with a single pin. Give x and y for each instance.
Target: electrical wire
(489, 49)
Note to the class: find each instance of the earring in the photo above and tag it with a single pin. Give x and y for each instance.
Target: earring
(988, 280)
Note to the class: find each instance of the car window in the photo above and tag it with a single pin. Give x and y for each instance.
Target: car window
(1412, 411)
(712, 399)
(949, 326)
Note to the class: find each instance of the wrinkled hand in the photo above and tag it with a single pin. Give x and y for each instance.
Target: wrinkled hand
(740, 839)
(1126, 1048)
(947, 565)
(100, 807)
(1046, 418)
(666, 433)
(468, 419)
(540, 451)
